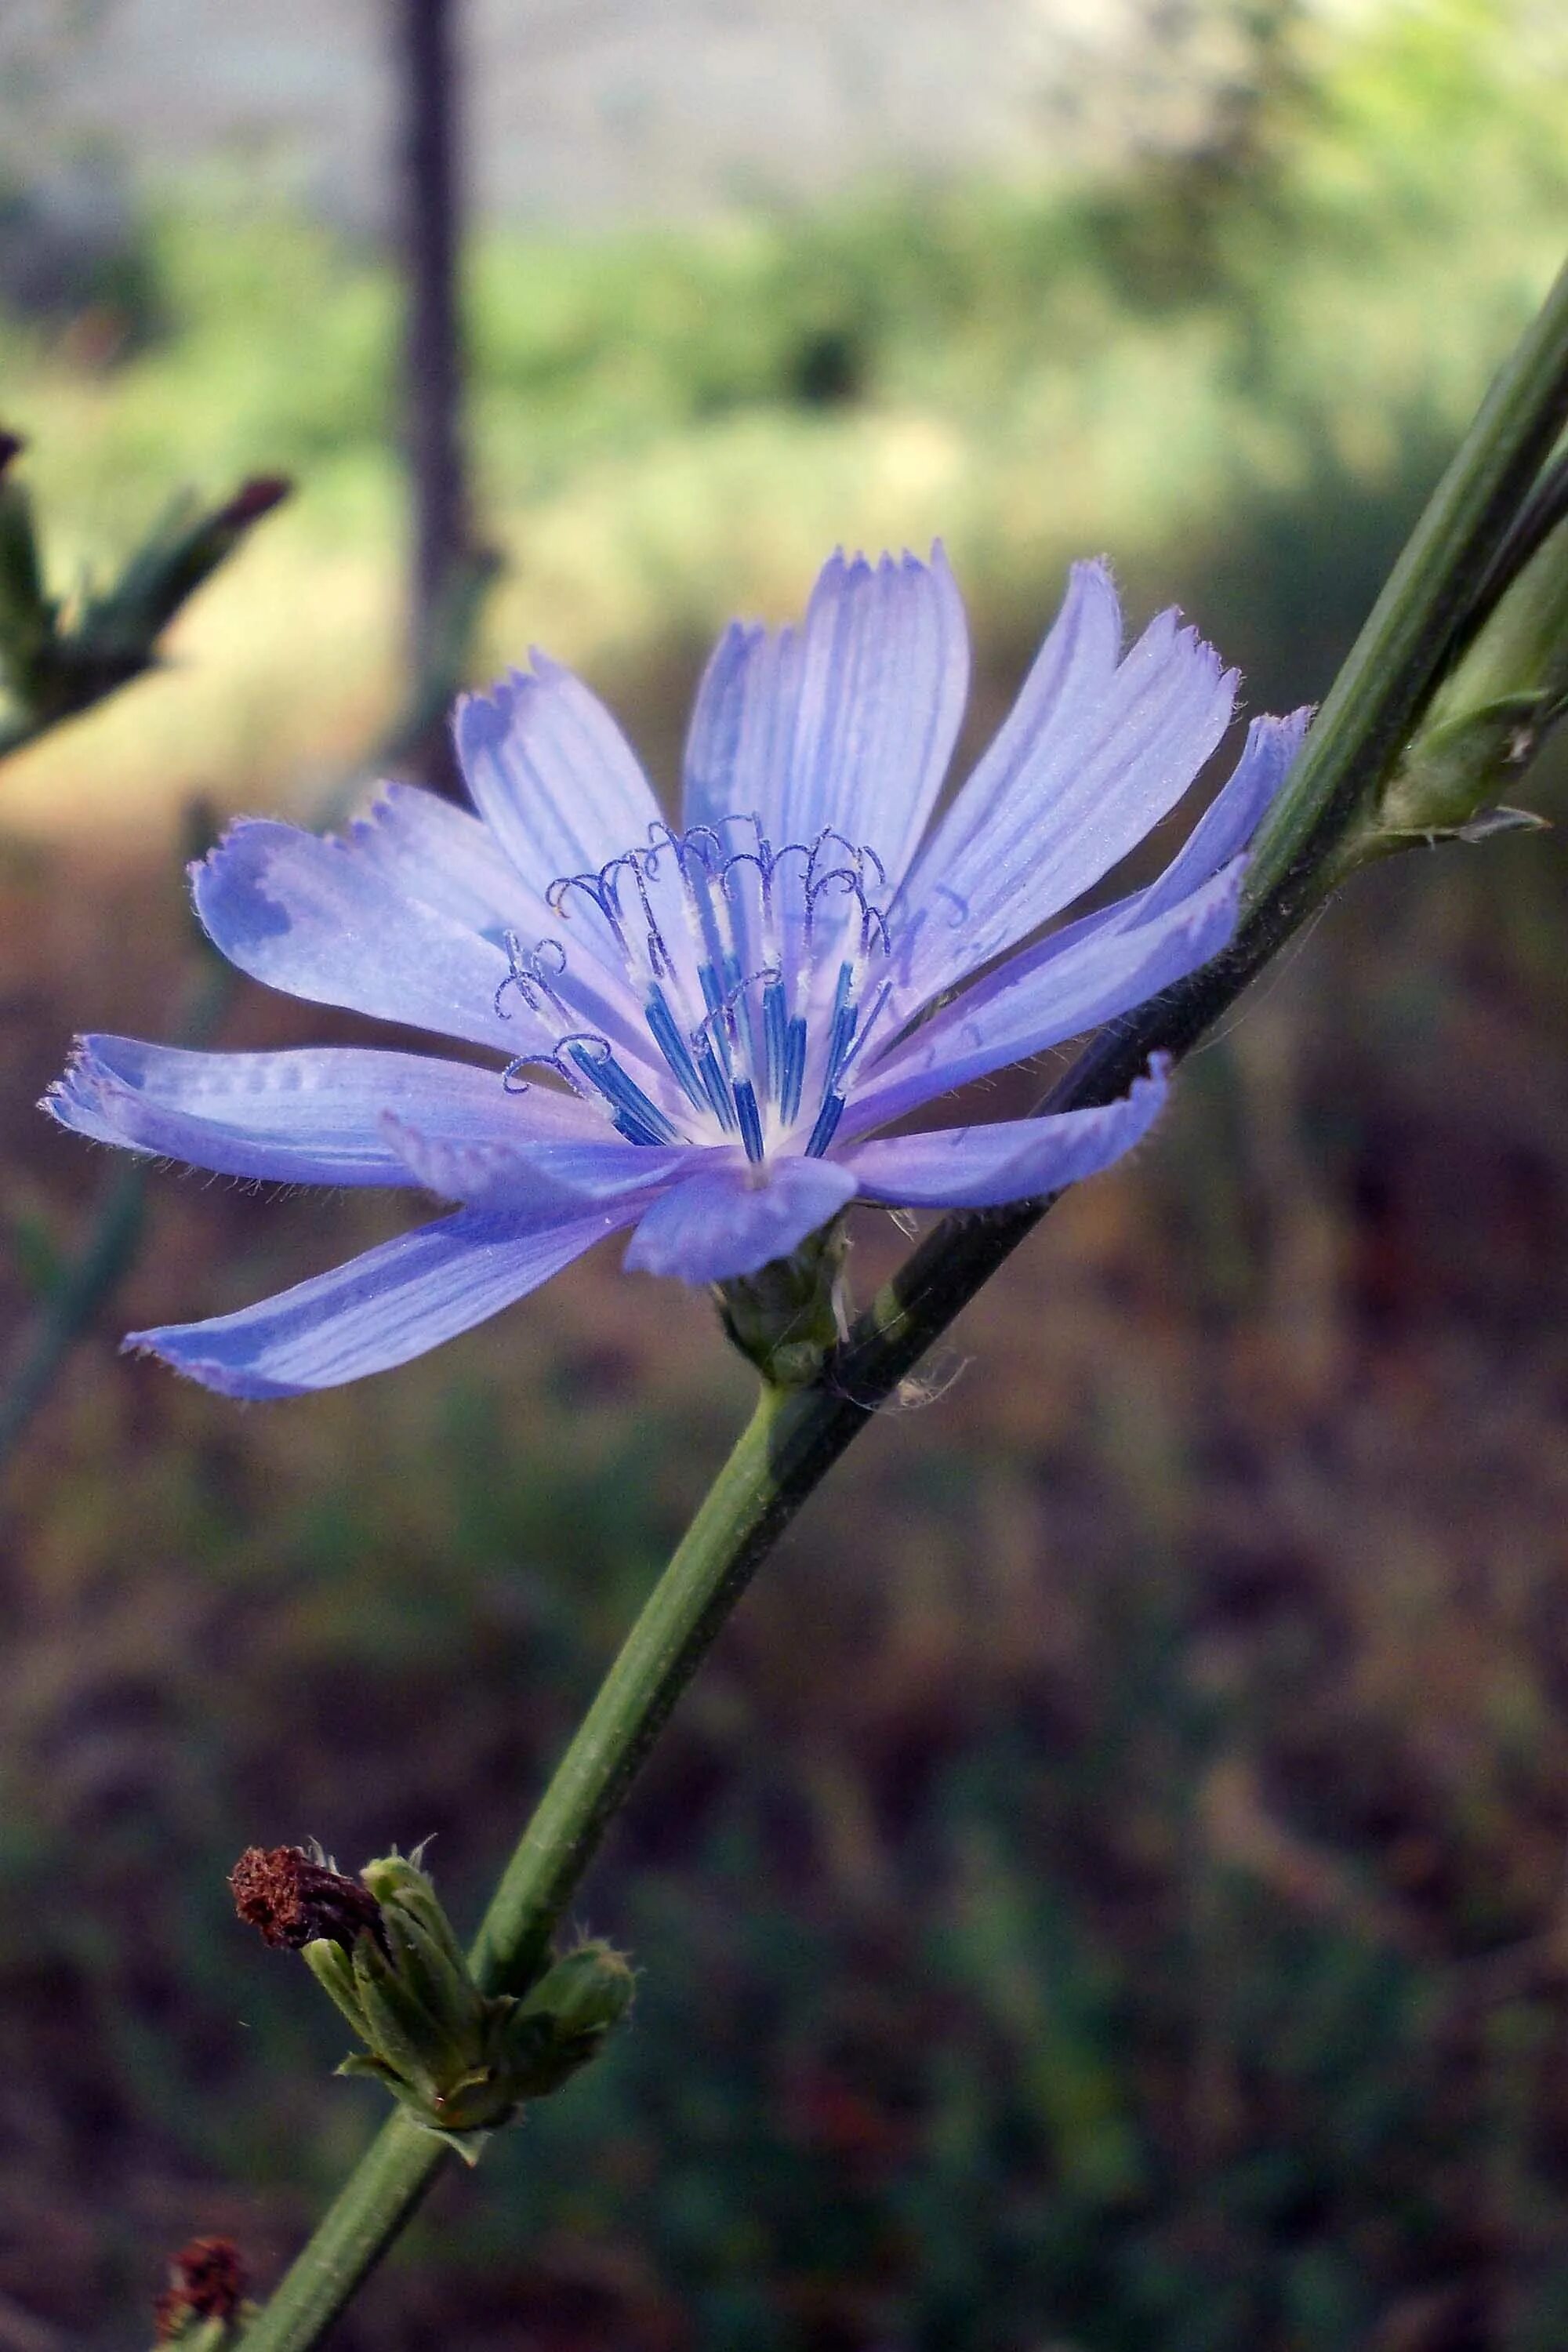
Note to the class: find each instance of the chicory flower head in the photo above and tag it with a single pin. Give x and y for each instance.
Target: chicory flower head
(697, 1033)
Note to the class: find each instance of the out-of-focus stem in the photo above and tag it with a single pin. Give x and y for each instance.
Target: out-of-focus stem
(429, 76)
(429, 64)
(711, 1569)
(79, 1290)
(52, 670)
(796, 1437)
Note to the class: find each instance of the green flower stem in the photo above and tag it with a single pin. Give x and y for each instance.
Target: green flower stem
(755, 1494)
(364, 2219)
(795, 1438)
(757, 1490)
(784, 1453)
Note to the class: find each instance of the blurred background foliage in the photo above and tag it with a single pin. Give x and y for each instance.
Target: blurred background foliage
(1234, 367)
(1108, 1891)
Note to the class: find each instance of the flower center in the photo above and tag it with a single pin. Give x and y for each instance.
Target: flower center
(755, 975)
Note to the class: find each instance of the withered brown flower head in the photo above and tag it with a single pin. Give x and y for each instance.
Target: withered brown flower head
(207, 2280)
(291, 1897)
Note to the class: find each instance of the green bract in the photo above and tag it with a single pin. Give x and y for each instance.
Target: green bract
(460, 2062)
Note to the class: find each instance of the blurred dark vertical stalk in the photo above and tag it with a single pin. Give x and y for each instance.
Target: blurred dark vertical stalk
(430, 195)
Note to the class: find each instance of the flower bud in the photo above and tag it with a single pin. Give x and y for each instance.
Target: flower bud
(458, 2061)
(1484, 724)
(561, 2023)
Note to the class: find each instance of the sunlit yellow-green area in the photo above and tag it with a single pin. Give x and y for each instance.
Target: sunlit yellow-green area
(671, 425)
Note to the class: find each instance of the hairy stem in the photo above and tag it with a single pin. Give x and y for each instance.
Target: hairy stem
(794, 1440)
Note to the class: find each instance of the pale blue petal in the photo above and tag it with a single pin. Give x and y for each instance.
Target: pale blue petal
(1094, 754)
(307, 916)
(732, 1220)
(1225, 829)
(552, 775)
(309, 1117)
(850, 723)
(380, 1309)
(742, 735)
(447, 860)
(1012, 1160)
(536, 1178)
(1228, 823)
(1042, 998)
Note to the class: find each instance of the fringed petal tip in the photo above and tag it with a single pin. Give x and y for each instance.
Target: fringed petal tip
(207, 1373)
(846, 564)
(1189, 666)
(1092, 575)
(1292, 730)
(228, 886)
(1183, 643)
(480, 720)
(84, 1097)
(73, 1089)
(739, 637)
(1091, 608)
(485, 716)
(237, 840)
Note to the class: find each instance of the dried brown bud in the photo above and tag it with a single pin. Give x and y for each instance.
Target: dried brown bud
(11, 445)
(291, 1898)
(207, 2280)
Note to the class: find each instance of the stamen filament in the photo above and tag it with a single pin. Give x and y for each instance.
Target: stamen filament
(666, 1033)
(827, 1119)
(621, 1092)
(795, 1041)
(750, 1125)
(728, 950)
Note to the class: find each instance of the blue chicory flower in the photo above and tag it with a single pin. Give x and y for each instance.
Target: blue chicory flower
(700, 1029)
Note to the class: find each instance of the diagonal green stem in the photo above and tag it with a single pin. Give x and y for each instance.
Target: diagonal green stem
(793, 1440)
(784, 1452)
